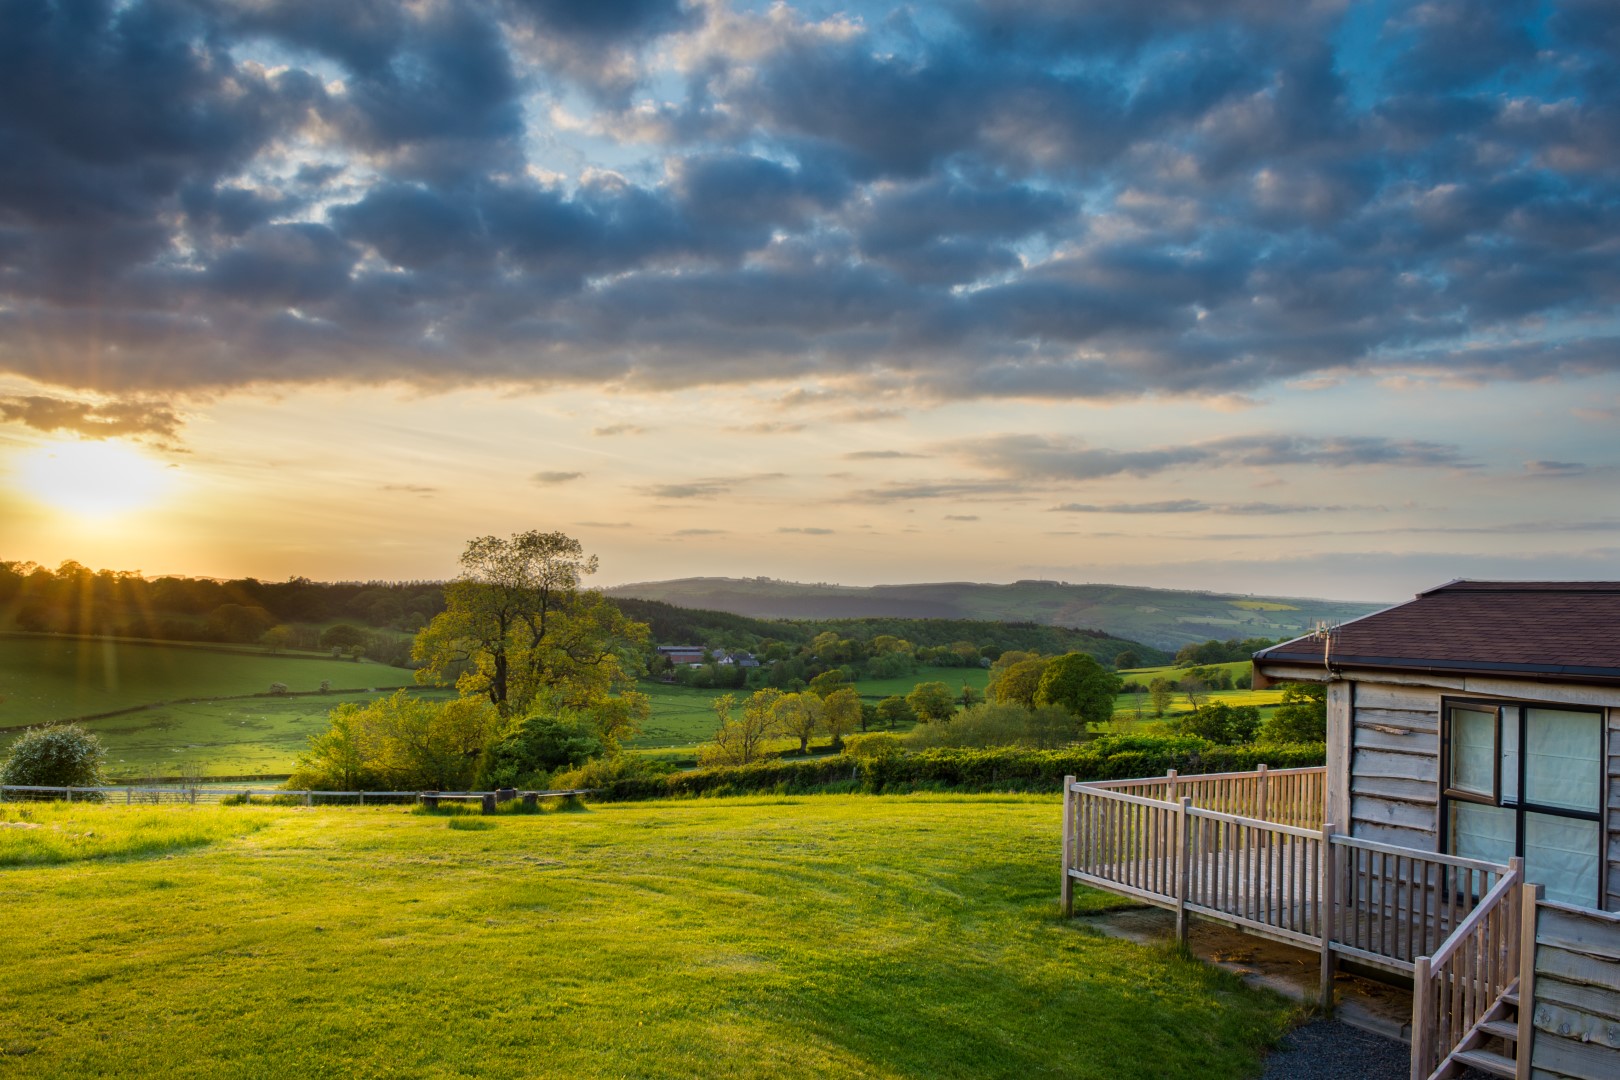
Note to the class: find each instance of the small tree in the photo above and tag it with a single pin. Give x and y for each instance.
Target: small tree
(60, 755)
(1228, 725)
(737, 740)
(342, 636)
(932, 701)
(1127, 660)
(841, 711)
(1162, 691)
(277, 638)
(1197, 690)
(1302, 716)
(894, 711)
(801, 716)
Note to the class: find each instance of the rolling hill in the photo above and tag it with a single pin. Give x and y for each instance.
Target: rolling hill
(1164, 618)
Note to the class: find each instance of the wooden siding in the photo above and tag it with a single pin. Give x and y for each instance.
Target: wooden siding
(1395, 764)
(1612, 900)
(1577, 995)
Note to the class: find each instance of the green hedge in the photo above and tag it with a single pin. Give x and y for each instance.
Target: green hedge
(1110, 757)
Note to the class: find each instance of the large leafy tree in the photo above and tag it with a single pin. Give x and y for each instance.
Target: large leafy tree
(1079, 684)
(517, 624)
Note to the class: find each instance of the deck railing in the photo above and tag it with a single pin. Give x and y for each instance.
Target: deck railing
(1455, 990)
(1287, 875)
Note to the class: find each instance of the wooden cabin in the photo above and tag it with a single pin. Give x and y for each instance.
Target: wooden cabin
(1465, 830)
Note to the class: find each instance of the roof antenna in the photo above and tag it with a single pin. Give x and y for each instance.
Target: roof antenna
(1324, 633)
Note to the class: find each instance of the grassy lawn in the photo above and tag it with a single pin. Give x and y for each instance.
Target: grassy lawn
(830, 936)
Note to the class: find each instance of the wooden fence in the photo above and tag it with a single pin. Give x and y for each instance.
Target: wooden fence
(1300, 884)
(1456, 990)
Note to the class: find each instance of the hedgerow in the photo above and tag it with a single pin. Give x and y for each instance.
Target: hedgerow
(1108, 757)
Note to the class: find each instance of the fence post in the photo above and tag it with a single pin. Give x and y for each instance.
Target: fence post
(1170, 775)
(1262, 785)
(309, 798)
(1066, 892)
(1325, 889)
(1422, 1019)
(1183, 865)
(69, 792)
(1530, 901)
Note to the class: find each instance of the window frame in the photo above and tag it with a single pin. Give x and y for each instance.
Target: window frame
(1523, 806)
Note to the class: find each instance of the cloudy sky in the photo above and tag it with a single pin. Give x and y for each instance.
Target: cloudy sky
(1262, 295)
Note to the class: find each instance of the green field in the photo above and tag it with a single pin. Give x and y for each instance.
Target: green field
(56, 678)
(829, 936)
(181, 709)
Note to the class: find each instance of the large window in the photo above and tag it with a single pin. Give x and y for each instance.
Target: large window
(1528, 780)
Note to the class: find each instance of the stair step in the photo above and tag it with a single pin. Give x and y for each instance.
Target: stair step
(1485, 1061)
(1502, 1029)
(1512, 997)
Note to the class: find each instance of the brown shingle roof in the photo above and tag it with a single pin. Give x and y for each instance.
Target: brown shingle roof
(1566, 628)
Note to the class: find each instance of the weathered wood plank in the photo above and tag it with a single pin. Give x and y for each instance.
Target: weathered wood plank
(1523, 690)
(1426, 720)
(1392, 834)
(1395, 787)
(1336, 776)
(1397, 741)
(1419, 816)
(1572, 1058)
(1575, 1024)
(1423, 698)
(1597, 1001)
(1591, 935)
(1398, 766)
(1576, 967)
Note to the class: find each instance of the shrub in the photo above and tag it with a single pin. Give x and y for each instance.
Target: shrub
(1229, 725)
(1302, 716)
(1044, 728)
(278, 688)
(872, 745)
(536, 747)
(63, 755)
(629, 770)
(1107, 757)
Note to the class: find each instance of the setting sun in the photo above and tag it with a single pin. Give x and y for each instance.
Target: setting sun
(92, 479)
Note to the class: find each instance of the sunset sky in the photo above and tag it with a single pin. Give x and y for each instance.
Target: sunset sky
(1290, 297)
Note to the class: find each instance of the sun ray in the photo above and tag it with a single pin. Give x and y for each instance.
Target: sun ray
(92, 479)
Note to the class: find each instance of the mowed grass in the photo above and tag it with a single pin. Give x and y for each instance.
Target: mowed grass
(60, 832)
(830, 936)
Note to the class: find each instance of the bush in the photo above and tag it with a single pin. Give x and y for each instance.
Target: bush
(1229, 725)
(629, 770)
(536, 747)
(63, 755)
(872, 745)
(1301, 717)
(1107, 757)
(1043, 728)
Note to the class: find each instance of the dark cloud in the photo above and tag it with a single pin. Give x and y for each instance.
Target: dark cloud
(619, 429)
(549, 477)
(807, 531)
(879, 455)
(699, 532)
(961, 517)
(701, 489)
(1010, 199)
(1197, 506)
(412, 489)
(94, 420)
(1557, 469)
(1037, 457)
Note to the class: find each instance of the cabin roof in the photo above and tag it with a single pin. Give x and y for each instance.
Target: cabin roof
(1569, 629)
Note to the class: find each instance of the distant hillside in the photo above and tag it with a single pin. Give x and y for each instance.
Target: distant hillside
(1164, 618)
(672, 624)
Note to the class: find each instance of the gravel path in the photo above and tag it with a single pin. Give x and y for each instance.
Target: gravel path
(1330, 1050)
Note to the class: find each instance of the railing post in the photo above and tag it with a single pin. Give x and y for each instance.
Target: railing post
(1422, 1020)
(1261, 785)
(1325, 888)
(1530, 900)
(1066, 892)
(309, 798)
(1183, 865)
(1170, 776)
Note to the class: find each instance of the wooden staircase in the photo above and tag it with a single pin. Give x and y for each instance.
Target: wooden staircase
(1492, 1047)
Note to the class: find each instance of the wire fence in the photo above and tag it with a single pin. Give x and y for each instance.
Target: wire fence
(217, 795)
